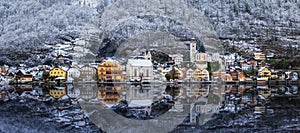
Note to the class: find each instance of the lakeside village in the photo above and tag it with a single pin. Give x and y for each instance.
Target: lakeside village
(202, 67)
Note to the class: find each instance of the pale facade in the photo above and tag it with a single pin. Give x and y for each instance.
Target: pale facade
(259, 56)
(137, 69)
(177, 58)
(73, 73)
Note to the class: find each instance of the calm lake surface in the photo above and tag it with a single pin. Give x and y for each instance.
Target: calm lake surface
(148, 108)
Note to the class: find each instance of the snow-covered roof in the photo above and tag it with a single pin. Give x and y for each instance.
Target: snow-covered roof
(262, 68)
(140, 62)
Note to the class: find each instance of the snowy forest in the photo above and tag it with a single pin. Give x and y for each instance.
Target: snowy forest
(29, 25)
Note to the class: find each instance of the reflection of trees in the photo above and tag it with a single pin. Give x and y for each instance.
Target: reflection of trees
(172, 90)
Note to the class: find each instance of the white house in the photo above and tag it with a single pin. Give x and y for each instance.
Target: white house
(73, 73)
(137, 69)
(177, 58)
(189, 73)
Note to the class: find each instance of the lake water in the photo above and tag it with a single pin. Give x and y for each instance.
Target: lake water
(149, 108)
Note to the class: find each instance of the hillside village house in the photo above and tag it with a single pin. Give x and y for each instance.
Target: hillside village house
(252, 62)
(110, 71)
(264, 72)
(201, 74)
(139, 69)
(244, 65)
(73, 73)
(57, 72)
(88, 73)
(259, 56)
(177, 58)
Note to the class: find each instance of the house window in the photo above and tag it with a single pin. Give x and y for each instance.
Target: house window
(147, 73)
(135, 72)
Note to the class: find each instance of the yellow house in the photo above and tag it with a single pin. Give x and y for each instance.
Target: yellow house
(264, 72)
(57, 93)
(110, 71)
(57, 72)
(201, 74)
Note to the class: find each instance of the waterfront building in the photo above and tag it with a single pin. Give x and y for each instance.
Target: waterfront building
(88, 73)
(139, 69)
(58, 72)
(264, 72)
(73, 73)
(201, 74)
(110, 71)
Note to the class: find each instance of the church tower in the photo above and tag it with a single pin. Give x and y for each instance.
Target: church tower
(193, 49)
(148, 55)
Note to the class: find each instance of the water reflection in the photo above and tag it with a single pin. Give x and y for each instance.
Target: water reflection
(143, 102)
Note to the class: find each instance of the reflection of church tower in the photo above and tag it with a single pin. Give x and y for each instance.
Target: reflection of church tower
(192, 49)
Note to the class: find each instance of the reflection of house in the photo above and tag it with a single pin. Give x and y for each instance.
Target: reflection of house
(241, 89)
(264, 72)
(110, 94)
(110, 71)
(139, 68)
(58, 92)
(88, 73)
(201, 74)
(23, 77)
(58, 72)
(198, 92)
(73, 92)
(73, 73)
(87, 91)
(264, 91)
(139, 97)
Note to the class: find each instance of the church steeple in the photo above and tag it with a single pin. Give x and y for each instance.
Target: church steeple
(148, 55)
(193, 49)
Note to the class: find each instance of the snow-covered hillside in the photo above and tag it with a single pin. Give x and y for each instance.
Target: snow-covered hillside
(28, 25)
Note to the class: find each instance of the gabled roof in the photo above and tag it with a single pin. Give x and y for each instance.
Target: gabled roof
(140, 62)
(262, 68)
